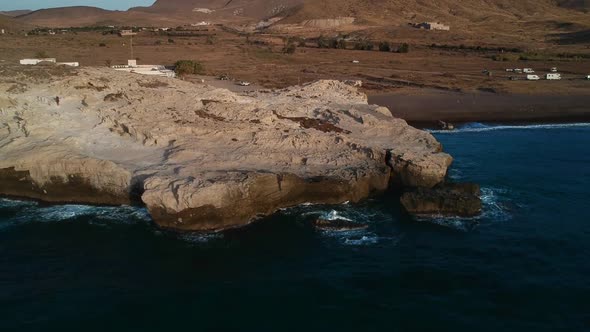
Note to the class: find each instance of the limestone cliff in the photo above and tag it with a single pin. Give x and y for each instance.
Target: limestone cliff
(198, 157)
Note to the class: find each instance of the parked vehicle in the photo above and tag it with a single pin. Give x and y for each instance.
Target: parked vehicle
(554, 69)
(518, 71)
(509, 70)
(533, 77)
(588, 77)
(528, 70)
(554, 76)
(244, 83)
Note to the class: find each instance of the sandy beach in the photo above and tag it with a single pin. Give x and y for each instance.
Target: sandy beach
(430, 106)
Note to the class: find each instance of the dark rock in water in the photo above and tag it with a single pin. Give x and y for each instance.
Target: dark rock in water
(338, 225)
(445, 125)
(458, 199)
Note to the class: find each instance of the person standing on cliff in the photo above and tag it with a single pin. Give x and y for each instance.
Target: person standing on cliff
(57, 100)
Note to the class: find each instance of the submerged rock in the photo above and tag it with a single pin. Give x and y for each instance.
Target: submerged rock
(338, 225)
(456, 199)
(442, 125)
(202, 158)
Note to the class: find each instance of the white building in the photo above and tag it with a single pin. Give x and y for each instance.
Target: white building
(52, 60)
(433, 26)
(151, 70)
(69, 64)
(36, 61)
(124, 33)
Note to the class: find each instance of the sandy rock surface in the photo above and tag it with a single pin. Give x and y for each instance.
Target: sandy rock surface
(198, 157)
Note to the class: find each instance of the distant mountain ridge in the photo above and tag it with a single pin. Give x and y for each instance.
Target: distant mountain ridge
(376, 12)
(15, 13)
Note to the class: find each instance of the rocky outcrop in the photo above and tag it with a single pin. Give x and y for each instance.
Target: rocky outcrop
(455, 199)
(198, 157)
(415, 169)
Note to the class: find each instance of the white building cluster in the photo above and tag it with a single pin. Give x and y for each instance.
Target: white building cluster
(52, 60)
(151, 70)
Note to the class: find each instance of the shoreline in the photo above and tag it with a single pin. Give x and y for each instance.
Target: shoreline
(424, 110)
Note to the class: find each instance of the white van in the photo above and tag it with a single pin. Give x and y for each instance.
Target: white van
(533, 77)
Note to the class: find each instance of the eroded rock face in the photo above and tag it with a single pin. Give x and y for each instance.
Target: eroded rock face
(202, 158)
(455, 199)
(416, 169)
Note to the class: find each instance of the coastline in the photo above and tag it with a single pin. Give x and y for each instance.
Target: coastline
(426, 109)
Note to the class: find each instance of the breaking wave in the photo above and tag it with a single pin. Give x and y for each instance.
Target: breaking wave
(476, 127)
(26, 212)
(378, 232)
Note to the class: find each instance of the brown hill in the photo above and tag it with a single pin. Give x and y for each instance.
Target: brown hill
(88, 16)
(12, 25)
(397, 11)
(64, 16)
(502, 15)
(15, 13)
(575, 4)
(237, 9)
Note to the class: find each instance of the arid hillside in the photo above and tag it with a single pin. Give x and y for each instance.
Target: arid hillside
(14, 13)
(12, 25)
(383, 12)
(494, 14)
(65, 16)
(583, 5)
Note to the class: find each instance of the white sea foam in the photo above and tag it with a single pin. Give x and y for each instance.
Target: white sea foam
(335, 215)
(31, 212)
(476, 127)
(362, 241)
(199, 238)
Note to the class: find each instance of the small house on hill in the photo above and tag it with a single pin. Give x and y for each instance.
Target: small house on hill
(124, 33)
(432, 26)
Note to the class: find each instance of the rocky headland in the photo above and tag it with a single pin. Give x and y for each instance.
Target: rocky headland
(198, 157)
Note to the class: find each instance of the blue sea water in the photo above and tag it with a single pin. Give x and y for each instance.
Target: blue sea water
(524, 265)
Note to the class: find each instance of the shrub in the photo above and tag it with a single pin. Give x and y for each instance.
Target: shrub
(290, 48)
(384, 47)
(404, 48)
(211, 40)
(158, 42)
(187, 67)
(323, 42)
(170, 41)
(505, 57)
(102, 45)
(364, 45)
(41, 55)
